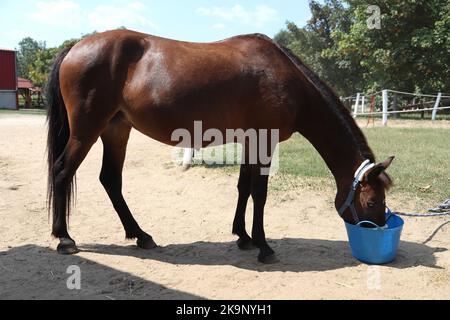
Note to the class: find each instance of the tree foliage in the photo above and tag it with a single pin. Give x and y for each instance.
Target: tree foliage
(411, 51)
(40, 67)
(28, 49)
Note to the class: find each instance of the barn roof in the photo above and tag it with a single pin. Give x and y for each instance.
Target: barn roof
(24, 83)
(6, 49)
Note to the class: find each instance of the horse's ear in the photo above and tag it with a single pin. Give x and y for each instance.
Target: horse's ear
(378, 169)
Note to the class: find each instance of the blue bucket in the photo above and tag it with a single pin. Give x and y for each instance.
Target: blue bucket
(376, 245)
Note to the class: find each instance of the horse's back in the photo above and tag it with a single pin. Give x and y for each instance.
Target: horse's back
(163, 84)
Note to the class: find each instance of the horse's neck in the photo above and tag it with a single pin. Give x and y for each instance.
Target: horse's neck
(332, 138)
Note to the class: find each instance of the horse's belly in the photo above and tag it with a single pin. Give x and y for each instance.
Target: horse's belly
(191, 128)
(168, 124)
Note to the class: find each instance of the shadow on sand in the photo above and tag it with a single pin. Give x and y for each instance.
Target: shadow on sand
(32, 272)
(296, 255)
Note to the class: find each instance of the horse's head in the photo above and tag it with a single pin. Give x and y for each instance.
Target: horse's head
(369, 196)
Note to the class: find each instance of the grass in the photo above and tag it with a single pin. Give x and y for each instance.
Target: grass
(422, 166)
(421, 171)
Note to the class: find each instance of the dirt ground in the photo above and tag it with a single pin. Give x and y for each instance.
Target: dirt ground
(189, 214)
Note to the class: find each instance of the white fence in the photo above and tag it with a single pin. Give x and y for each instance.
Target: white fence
(359, 102)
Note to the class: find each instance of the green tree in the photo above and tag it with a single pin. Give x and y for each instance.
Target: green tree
(28, 48)
(411, 51)
(40, 67)
(315, 43)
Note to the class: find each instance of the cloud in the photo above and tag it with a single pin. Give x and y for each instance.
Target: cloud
(137, 5)
(60, 13)
(68, 14)
(105, 17)
(259, 17)
(219, 26)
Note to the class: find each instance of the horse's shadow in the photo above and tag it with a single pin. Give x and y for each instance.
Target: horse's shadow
(295, 255)
(39, 273)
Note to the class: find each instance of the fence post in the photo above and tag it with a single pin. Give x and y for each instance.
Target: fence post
(188, 157)
(395, 106)
(363, 104)
(436, 106)
(355, 108)
(385, 107)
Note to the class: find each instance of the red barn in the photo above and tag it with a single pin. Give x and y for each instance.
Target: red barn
(8, 79)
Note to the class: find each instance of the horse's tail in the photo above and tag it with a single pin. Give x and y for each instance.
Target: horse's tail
(58, 133)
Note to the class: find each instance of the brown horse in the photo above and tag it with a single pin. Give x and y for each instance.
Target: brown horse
(112, 82)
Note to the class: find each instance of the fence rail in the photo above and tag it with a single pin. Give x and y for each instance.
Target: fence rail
(358, 103)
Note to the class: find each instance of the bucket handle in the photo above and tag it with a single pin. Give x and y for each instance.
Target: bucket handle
(369, 222)
(390, 214)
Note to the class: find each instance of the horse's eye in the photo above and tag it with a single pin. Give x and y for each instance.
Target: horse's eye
(370, 204)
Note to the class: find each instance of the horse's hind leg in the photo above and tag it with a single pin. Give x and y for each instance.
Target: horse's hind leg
(244, 188)
(64, 171)
(115, 140)
(85, 129)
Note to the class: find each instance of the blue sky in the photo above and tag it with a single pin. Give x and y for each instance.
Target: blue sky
(54, 21)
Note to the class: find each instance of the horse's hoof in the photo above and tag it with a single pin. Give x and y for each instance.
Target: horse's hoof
(245, 244)
(268, 259)
(67, 247)
(146, 242)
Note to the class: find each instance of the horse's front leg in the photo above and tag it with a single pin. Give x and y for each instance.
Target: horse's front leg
(259, 184)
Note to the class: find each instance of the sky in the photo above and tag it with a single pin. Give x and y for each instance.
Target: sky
(54, 21)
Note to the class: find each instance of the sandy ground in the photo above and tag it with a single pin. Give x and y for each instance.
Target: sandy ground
(190, 216)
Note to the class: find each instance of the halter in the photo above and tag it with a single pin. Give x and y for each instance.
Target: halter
(350, 202)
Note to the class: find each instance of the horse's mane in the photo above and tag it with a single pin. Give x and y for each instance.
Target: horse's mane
(343, 115)
(334, 103)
